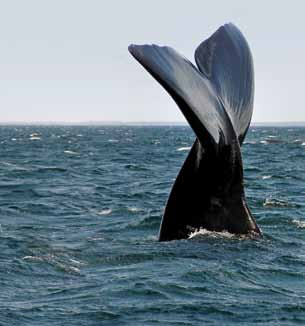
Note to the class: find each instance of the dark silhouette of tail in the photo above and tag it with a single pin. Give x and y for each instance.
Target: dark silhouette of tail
(217, 101)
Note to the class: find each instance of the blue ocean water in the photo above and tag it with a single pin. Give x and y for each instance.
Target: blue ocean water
(80, 209)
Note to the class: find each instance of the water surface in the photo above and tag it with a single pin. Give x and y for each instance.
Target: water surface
(80, 209)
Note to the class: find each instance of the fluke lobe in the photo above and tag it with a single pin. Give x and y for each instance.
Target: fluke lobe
(217, 100)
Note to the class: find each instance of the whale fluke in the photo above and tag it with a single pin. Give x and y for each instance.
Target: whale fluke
(217, 101)
(225, 59)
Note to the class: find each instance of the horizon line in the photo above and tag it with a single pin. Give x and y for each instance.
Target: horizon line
(140, 123)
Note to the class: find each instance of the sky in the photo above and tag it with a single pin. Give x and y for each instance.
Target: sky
(67, 60)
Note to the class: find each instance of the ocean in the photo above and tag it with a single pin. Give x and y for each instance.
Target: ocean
(80, 209)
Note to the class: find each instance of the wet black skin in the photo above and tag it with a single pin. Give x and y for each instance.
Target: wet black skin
(217, 101)
(213, 196)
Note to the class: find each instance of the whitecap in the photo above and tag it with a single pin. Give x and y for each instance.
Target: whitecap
(105, 211)
(95, 238)
(133, 209)
(183, 148)
(75, 261)
(299, 224)
(14, 166)
(32, 258)
(66, 268)
(275, 202)
(113, 140)
(72, 269)
(35, 138)
(265, 177)
(303, 144)
(70, 152)
(263, 142)
(13, 139)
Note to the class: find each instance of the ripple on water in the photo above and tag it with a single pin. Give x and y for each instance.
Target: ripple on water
(79, 232)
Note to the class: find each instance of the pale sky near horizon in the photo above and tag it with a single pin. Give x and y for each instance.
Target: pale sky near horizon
(67, 60)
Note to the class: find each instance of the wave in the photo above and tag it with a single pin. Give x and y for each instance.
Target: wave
(180, 149)
(272, 141)
(14, 167)
(76, 261)
(35, 136)
(133, 209)
(300, 224)
(276, 202)
(137, 167)
(150, 222)
(32, 258)
(107, 211)
(70, 152)
(57, 262)
(252, 168)
(50, 169)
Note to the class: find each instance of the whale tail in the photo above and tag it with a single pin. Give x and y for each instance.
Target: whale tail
(217, 101)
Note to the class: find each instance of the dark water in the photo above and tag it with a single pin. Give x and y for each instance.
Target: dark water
(80, 209)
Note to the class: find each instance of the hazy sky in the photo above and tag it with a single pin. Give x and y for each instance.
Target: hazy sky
(67, 60)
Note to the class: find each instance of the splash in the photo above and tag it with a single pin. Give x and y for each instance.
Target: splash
(211, 234)
(204, 233)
